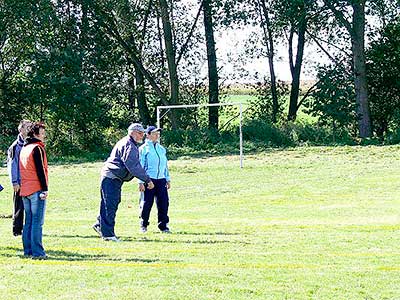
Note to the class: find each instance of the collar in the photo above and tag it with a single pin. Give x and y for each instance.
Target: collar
(33, 140)
(132, 140)
(20, 140)
(151, 142)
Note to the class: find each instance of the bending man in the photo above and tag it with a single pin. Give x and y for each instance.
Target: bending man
(121, 166)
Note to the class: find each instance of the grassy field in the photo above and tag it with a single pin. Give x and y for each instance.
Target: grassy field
(305, 223)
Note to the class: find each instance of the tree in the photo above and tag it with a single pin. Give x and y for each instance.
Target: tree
(356, 29)
(383, 66)
(290, 19)
(297, 13)
(332, 101)
(263, 11)
(170, 51)
(213, 88)
(17, 43)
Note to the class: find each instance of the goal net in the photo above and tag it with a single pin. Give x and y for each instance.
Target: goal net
(160, 109)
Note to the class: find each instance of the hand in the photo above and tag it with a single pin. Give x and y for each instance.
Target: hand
(141, 187)
(168, 185)
(43, 195)
(150, 185)
(16, 188)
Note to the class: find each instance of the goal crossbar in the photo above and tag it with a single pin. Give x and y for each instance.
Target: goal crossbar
(159, 108)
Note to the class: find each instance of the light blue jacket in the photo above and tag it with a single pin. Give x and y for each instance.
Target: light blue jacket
(153, 158)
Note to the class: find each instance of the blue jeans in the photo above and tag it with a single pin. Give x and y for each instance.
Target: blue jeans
(34, 220)
(110, 192)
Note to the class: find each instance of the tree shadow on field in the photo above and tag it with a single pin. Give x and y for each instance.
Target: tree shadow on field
(62, 255)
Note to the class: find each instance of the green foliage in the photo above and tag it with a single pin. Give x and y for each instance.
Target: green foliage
(304, 133)
(70, 64)
(266, 134)
(262, 107)
(383, 67)
(208, 140)
(257, 135)
(333, 100)
(18, 25)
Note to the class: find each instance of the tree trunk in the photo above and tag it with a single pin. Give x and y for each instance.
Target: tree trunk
(360, 72)
(269, 41)
(213, 89)
(170, 52)
(296, 68)
(356, 30)
(141, 98)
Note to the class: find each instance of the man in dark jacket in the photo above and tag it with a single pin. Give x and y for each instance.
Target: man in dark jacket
(15, 177)
(121, 166)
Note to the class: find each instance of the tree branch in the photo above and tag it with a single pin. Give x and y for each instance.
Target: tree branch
(309, 91)
(113, 31)
(184, 47)
(340, 17)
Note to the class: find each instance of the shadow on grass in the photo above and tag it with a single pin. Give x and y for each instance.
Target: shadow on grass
(154, 239)
(146, 239)
(93, 236)
(62, 255)
(207, 233)
(73, 256)
(183, 241)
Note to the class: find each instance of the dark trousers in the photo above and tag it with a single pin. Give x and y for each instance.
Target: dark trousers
(18, 214)
(110, 192)
(159, 192)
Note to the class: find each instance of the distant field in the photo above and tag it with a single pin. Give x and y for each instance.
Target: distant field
(238, 98)
(302, 115)
(305, 223)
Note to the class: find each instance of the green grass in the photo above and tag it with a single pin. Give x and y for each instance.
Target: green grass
(239, 98)
(305, 223)
(302, 116)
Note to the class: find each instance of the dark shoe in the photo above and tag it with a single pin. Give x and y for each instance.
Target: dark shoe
(166, 230)
(41, 257)
(143, 229)
(96, 227)
(17, 233)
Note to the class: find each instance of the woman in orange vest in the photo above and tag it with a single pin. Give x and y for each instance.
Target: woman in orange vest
(34, 181)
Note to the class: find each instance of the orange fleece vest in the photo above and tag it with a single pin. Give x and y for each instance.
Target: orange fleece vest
(29, 180)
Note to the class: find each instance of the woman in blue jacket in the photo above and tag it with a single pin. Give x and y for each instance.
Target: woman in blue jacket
(153, 159)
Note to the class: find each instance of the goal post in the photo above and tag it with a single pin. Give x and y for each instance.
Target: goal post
(168, 107)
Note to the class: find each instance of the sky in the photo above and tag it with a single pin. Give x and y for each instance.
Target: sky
(233, 41)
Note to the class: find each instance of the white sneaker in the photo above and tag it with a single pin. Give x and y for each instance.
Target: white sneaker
(96, 227)
(143, 229)
(111, 238)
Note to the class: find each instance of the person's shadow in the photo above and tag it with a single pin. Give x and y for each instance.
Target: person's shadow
(62, 255)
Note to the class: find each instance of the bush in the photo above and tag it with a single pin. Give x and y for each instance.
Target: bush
(266, 133)
(303, 133)
(197, 139)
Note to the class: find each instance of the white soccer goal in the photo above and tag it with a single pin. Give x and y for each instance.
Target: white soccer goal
(168, 107)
